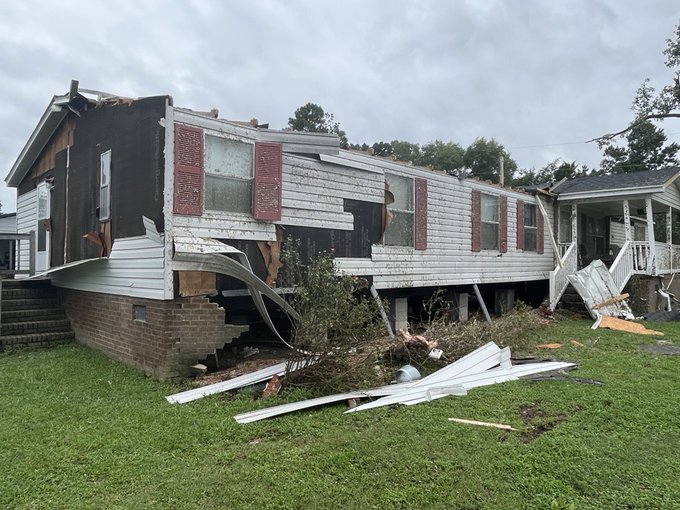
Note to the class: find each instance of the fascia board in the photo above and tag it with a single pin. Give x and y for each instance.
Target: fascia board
(611, 193)
(292, 141)
(48, 124)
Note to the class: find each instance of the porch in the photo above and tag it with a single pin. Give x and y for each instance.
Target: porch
(631, 236)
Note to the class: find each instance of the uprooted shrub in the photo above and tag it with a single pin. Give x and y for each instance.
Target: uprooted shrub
(516, 329)
(337, 326)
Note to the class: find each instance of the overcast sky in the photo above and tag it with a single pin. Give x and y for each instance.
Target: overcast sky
(539, 76)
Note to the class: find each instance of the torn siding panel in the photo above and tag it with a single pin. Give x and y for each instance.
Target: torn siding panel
(135, 268)
(448, 259)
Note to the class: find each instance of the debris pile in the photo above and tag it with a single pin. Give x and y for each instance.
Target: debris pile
(484, 366)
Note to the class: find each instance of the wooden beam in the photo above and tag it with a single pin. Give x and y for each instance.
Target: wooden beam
(611, 301)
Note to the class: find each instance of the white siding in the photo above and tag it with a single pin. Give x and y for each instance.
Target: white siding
(449, 259)
(8, 224)
(313, 192)
(135, 268)
(671, 196)
(27, 218)
(617, 233)
(312, 196)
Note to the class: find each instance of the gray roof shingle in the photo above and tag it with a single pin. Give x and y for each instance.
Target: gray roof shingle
(618, 181)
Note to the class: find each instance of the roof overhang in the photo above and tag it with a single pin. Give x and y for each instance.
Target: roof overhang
(56, 112)
(612, 194)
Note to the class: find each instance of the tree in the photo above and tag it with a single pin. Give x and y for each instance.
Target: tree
(483, 156)
(383, 149)
(648, 105)
(439, 155)
(311, 118)
(554, 171)
(406, 151)
(646, 150)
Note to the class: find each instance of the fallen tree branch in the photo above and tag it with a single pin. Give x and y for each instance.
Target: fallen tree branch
(610, 136)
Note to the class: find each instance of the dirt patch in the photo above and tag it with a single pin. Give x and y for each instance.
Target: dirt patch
(537, 422)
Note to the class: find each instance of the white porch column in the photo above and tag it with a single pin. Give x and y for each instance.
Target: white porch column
(669, 237)
(626, 221)
(650, 236)
(574, 223)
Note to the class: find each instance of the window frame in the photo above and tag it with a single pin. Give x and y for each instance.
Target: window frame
(496, 223)
(529, 228)
(210, 173)
(105, 186)
(400, 210)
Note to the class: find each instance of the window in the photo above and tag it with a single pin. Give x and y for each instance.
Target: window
(489, 222)
(105, 186)
(228, 175)
(530, 228)
(43, 191)
(565, 224)
(400, 231)
(139, 313)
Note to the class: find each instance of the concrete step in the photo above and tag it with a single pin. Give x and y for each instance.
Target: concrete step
(35, 339)
(41, 326)
(32, 314)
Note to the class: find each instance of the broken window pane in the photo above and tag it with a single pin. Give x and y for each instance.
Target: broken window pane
(402, 189)
(228, 194)
(228, 158)
(400, 231)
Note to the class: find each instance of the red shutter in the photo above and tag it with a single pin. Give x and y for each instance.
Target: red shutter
(421, 215)
(188, 192)
(520, 224)
(476, 214)
(503, 226)
(539, 231)
(268, 178)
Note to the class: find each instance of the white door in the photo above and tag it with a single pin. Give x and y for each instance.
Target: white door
(42, 242)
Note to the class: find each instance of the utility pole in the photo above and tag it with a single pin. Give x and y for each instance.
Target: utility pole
(501, 177)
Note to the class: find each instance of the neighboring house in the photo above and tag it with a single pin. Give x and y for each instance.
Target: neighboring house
(141, 210)
(613, 218)
(8, 225)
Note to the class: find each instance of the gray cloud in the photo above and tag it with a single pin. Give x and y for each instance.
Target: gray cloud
(535, 75)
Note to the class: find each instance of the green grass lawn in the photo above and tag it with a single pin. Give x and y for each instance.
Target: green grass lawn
(79, 431)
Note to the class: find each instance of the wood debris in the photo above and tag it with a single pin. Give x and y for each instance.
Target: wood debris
(483, 423)
(622, 325)
(549, 346)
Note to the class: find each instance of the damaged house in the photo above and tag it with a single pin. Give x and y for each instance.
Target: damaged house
(161, 227)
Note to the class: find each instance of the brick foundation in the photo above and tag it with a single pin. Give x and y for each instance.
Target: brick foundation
(174, 335)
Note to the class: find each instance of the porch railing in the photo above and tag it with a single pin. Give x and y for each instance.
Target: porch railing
(558, 276)
(641, 255)
(22, 255)
(623, 266)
